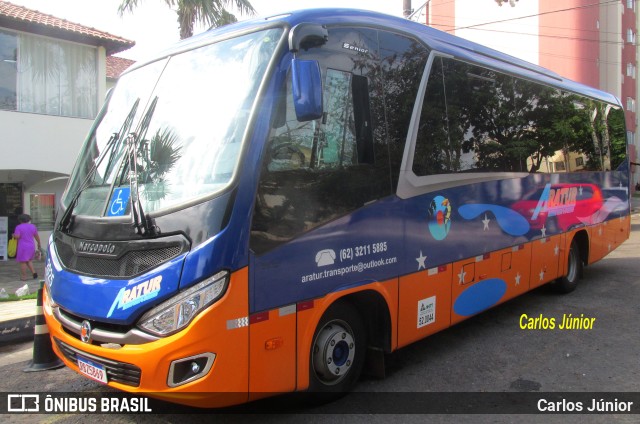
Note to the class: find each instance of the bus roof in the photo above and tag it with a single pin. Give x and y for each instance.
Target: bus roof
(437, 40)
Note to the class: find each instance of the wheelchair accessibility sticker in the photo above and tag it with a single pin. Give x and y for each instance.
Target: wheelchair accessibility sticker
(119, 201)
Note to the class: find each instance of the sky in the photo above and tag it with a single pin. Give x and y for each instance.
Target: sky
(153, 26)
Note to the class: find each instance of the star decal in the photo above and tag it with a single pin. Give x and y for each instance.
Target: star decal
(486, 222)
(518, 276)
(541, 275)
(421, 261)
(556, 250)
(543, 230)
(461, 276)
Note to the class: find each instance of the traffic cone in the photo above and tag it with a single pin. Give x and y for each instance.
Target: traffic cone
(43, 356)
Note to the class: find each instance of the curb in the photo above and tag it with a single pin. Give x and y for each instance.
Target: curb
(16, 330)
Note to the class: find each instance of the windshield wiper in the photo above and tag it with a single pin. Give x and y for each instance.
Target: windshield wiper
(66, 221)
(142, 223)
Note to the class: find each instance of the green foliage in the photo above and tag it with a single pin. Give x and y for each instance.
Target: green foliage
(478, 119)
(207, 12)
(156, 157)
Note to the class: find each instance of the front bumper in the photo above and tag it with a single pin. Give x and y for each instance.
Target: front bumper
(150, 368)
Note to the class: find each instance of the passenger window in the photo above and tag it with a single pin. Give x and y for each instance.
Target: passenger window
(403, 61)
(475, 119)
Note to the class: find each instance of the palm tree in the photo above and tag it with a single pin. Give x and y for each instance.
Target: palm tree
(207, 12)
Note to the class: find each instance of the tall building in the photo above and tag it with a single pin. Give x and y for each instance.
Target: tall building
(592, 42)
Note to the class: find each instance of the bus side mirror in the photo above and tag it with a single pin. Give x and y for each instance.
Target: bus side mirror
(307, 89)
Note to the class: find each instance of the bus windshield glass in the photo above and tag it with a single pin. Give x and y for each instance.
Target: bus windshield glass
(173, 128)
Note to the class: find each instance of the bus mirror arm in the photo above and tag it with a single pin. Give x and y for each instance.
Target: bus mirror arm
(306, 36)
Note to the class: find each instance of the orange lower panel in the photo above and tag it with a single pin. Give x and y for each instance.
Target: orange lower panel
(425, 304)
(470, 272)
(222, 330)
(514, 270)
(607, 236)
(618, 231)
(506, 270)
(272, 352)
(545, 259)
(599, 243)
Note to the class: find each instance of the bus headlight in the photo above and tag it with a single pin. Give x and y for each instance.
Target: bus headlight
(176, 313)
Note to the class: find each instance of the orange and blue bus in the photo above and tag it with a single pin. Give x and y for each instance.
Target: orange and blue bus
(264, 206)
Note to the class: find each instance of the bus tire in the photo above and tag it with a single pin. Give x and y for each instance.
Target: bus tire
(569, 282)
(337, 352)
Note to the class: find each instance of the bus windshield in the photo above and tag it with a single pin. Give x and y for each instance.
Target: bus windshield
(173, 127)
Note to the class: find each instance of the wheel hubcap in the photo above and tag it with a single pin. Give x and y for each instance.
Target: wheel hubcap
(333, 352)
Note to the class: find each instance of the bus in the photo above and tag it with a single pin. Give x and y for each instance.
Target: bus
(268, 206)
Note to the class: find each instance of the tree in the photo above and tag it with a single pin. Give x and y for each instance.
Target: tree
(206, 12)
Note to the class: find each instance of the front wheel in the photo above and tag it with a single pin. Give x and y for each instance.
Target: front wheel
(569, 282)
(338, 350)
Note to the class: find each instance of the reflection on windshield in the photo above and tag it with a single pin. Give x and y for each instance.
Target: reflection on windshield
(187, 143)
(156, 158)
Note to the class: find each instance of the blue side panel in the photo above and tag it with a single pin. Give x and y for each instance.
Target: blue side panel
(395, 237)
(359, 248)
(494, 215)
(216, 254)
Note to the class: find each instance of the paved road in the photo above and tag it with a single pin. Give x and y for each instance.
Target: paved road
(489, 353)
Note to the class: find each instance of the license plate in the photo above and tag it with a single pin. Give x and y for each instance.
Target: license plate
(92, 369)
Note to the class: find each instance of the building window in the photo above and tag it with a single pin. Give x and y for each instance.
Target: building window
(631, 36)
(631, 70)
(631, 104)
(43, 75)
(631, 4)
(42, 208)
(579, 162)
(8, 73)
(630, 137)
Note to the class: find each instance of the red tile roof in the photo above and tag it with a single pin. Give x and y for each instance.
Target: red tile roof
(117, 65)
(33, 21)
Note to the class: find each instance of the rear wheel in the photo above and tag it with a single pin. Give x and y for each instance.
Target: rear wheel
(338, 351)
(569, 282)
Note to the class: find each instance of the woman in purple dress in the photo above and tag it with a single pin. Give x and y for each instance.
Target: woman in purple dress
(27, 235)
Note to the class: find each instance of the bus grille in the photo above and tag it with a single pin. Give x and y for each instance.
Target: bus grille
(132, 263)
(120, 372)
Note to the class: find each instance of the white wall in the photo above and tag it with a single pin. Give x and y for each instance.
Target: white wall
(41, 142)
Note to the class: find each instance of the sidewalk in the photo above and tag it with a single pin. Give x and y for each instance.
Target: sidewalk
(17, 318)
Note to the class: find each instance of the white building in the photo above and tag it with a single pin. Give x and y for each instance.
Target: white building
(53, 78)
